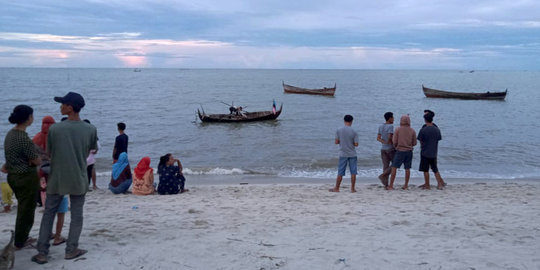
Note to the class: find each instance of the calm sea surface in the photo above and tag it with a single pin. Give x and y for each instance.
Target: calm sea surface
(481, 139)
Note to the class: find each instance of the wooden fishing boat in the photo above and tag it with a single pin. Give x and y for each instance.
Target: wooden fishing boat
(434, 93)
(297, 90)
(246, 117)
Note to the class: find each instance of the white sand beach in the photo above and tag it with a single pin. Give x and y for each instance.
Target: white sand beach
(469, 225)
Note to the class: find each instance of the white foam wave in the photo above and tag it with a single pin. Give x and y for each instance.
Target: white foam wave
(331, 173)
(215, 171)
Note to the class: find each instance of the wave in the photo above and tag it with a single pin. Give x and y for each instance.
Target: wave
(331, 173)
(207, 171)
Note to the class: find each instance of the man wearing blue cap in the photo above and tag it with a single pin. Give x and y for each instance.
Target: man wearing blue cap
(68, 143)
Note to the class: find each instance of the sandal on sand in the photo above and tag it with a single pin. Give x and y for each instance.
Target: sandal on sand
(75, 254)
(61, 241)
(27, 244)
(40, 258)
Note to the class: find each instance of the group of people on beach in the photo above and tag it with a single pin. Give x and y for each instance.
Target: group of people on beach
(141, 181)
(396, 150)
(59, 161)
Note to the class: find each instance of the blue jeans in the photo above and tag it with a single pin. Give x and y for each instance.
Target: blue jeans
(75, 226)
(343, 161)
(122, 188)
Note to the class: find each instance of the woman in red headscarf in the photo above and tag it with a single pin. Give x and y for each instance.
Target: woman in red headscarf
(40, 139)
(143, 178)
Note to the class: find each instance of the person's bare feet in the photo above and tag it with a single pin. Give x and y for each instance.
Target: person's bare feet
(353, 190)
(334, 190)
(389, 188)
(383, 180)
(405, 187)
(425, 187)
(422, 185)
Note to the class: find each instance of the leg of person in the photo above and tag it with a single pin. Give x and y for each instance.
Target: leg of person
(353, 168)
(407, 164)
(89, 172)
(51, 207)
(407, 177)
(182, 184)
(440, 182)
(94, 178)
(424, 167)
(392, 178)
(25, 186)
(386, 168)
(435, 169)
(426, 181)
(342, 165)
(399, 158)
(61, 213)
(75, 227)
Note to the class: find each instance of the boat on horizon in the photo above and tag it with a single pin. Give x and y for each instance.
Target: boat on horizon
(434, 93)
(298, 90)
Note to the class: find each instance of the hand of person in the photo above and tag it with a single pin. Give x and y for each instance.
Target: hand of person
(4, 170)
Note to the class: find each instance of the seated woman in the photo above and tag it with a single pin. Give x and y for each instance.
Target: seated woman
(121, 175)
(143, 178)
(171, 179)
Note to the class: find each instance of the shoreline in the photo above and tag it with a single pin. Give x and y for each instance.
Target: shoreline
(255, 179)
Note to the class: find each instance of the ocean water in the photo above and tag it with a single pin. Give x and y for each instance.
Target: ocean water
(481, 139)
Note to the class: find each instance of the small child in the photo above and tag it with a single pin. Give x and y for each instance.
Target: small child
(7, 194)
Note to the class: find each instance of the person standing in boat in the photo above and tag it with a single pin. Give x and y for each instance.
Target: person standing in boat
(384, 136)
(347, 138)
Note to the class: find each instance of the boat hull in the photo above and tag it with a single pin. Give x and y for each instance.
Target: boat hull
(297, 90)
(233, 118)
(434, 93)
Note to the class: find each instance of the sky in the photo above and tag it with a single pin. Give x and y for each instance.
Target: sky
(300, 34)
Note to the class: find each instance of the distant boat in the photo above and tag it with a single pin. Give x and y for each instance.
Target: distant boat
(434, 93)
(245, 117)
(298, 90)
(137, 70)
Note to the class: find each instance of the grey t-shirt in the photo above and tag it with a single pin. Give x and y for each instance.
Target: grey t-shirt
(429, 137)
(347, 138)
(69, 143)
(385, 130)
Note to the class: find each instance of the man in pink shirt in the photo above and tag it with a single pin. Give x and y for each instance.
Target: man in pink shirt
(404, 140)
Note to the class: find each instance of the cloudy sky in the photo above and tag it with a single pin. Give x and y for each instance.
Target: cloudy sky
(344, 34)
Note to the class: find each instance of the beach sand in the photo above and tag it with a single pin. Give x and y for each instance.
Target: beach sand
(469, 225)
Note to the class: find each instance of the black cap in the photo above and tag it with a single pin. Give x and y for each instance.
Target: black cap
(72, 98)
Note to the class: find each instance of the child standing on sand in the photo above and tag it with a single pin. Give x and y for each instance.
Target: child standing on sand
(7, 194)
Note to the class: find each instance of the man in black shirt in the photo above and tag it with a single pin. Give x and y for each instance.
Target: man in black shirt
(121, 142)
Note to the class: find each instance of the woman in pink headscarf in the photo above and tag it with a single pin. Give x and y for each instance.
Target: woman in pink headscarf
(143, 178)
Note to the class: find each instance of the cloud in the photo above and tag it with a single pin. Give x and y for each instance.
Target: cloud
(239, 33)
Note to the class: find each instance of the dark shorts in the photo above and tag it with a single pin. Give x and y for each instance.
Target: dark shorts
(426, 162)
(402, 157)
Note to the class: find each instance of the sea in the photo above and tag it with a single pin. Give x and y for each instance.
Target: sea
(481, 139)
